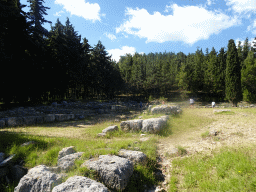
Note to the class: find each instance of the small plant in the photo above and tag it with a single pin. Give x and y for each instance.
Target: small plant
(182, 151)
(205, 134)
(151, 98)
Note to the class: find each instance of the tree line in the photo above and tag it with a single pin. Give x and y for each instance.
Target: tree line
(228, 74)
(41, 65)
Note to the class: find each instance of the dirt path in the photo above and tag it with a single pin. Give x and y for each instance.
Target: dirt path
(232, 130)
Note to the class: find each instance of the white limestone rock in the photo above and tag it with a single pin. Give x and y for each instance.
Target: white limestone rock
(39, 179)
(80, 184)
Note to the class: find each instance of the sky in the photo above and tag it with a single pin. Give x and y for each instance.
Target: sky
(154, 26)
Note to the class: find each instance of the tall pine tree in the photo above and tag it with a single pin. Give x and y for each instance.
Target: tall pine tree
(233, 75)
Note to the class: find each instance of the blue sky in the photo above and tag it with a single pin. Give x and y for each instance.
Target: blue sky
(129, 26)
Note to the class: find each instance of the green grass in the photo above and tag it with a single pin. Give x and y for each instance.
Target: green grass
(225, 113)
(46, 148)
(231, 169)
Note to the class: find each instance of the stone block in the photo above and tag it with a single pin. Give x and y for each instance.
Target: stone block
(30, 120)
(113, 171)
(39, 119)
(134, 156)
(14, 121)
(61, 117)
(39, 178)
(67, 162)
(79, 184)
(66, 151)
(110, 129)
(153, 125)
(2, 123)
(131, 125)
(49, 118)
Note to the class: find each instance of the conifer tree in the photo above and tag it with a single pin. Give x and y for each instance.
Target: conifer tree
(248, 78)
(233, 75)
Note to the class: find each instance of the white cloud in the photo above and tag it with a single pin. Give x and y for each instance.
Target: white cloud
(116, 53)
(58, 13)
(110, 36)
(240, 6)
(209, 2)
(252, 28)
(188, 24)
(81, 8)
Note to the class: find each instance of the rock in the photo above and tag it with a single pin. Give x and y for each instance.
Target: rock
(64, 103)
(7, 161)
(70, 116)
(131, 125)
(134, 156)
(2, 123)
(14, 121)
(28, 143)
(38, 179)
(54, 104)
(67, 162)
(39, 119)
(66, 151)
(49, 118)
(153, 125)
(101, 134)
(61, 117)
(110, 129)
(113, 171)
(150, 107)
(1, 156)
(221, 110)
(17, 172)
(80, 184)
(30, 120)
(164, 109)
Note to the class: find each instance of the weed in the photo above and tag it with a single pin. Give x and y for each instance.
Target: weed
(205, 134)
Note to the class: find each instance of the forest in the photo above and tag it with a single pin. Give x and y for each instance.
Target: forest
(38, 65)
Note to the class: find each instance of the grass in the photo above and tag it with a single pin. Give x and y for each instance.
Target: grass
(49, 140)
(231, 169)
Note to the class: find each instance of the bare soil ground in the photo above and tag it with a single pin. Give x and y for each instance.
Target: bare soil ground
(237, 129)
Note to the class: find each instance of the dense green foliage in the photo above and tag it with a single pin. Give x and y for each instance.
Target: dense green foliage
(41, 65)
(233, 74)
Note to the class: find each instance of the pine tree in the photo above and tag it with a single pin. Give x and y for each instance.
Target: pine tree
(233, 74)
(248, 78)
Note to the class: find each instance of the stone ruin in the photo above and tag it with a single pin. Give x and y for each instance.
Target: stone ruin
(114, 173)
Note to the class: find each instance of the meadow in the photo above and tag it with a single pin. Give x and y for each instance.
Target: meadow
(225, 162)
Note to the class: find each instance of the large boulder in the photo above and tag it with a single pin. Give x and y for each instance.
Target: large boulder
(80, 184)
(154, 125)
(131, 125)
(134, 156)
(39, 179)
(66, 151)
(113, 171)
(67, 162)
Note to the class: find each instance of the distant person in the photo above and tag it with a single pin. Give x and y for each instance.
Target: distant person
(191, 102)
(213, 104)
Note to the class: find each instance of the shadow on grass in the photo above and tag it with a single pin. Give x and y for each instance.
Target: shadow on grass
(12, 142)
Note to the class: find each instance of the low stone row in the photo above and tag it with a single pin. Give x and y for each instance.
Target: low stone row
(31, 120)
(114, 173)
